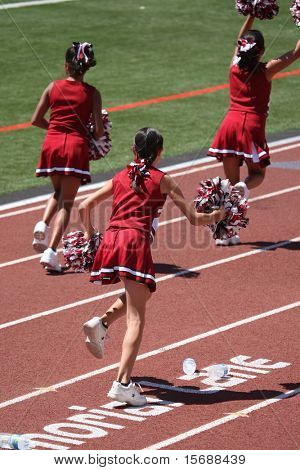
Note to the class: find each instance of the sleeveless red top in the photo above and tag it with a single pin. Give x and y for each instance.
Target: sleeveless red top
(137, 211)
(71, 105)
(249, 91)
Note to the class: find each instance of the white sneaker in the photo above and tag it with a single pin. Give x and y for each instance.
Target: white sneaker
(241, 187)
(40, 234)
(96, 334)
(235, 240)
(50, 261)
(128, 394)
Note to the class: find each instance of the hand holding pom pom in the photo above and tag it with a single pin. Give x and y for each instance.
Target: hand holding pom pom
(295, 11)
(214, 193)
(99, 148)
(262, 9)
(79, 253)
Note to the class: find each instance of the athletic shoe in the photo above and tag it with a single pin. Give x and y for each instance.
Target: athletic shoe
(40, 234)
(96, 334)
(50, 261)
(235, 240)
(242, 189)
(127, 394)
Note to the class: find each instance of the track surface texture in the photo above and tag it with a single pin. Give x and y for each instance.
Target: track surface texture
(235, 305)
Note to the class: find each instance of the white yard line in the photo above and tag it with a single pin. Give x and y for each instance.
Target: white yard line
(161, 224)
(155, 352)
(191, 163)
(223, 420)
(159, 279)
(8, 6)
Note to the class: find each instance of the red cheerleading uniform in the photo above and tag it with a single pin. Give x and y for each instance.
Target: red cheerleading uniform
(125, 249)
(65, 149)
(242, 132)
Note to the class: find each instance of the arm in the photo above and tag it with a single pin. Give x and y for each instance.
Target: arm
(97, 115)
(88, 204)
(276, 65)
(247, 25)
(41, 109)
(168, 186)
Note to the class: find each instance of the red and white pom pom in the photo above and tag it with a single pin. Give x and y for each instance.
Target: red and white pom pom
(262, 9)
(79, 253)
(295, 10)
(213, 193)
(99, 148)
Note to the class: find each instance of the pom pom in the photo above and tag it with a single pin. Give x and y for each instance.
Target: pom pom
(99, 148)
(262, 9)
(213, 193)
(295, 10)
(79, 253)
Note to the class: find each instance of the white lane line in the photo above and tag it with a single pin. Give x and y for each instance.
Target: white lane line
(223, 420)
(155, 352)
(159, 279)
(161, 224)
(177, 166)
(31, 4)
(289, 147)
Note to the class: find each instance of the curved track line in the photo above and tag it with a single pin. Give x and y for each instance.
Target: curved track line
(159, 99)
(155, 352)
(159, 279)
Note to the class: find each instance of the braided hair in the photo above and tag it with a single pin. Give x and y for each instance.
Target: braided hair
(80, 57)
(148, 142)
(250, 46)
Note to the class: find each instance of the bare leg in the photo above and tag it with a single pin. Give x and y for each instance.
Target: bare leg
(256, 174)
(52, 203)
(136, 296)
(116, 311)
(69, 188)
(232, 169)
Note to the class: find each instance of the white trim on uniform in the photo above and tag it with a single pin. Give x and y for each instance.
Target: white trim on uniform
(55, 168)
(123, 269)
(246, 155)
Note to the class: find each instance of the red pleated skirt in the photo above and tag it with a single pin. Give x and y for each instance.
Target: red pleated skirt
(65, 154)
(124, 253)
(242, 135)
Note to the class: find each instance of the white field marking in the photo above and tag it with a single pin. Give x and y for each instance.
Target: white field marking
(195, 169)
(31, 4)
(160, 224)
(177, 166)
(223, 420)
(155, 352)
(159, 279)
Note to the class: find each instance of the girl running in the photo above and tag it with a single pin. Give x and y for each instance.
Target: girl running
(65, 153)
(139, 194)
(241, 136)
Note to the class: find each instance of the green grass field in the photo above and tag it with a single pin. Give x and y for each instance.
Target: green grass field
(169, 46)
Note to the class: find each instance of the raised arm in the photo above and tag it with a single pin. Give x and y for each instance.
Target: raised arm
(276, 65)
(168, 186)
(97, 115)
(41, 109)
(88, 204)
(247, 25)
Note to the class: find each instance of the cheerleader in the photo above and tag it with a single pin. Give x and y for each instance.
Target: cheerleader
(65, 153)
(139, 193)
(241, 136)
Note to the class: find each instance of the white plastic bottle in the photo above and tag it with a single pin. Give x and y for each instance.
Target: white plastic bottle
(218, 371)
(189, 366)
(15, 441)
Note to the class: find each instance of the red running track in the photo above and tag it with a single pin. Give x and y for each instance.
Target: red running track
(239, 304)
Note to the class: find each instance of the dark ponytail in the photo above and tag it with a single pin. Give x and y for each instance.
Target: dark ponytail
(148, 142)
(80, 56)
(250, 46)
